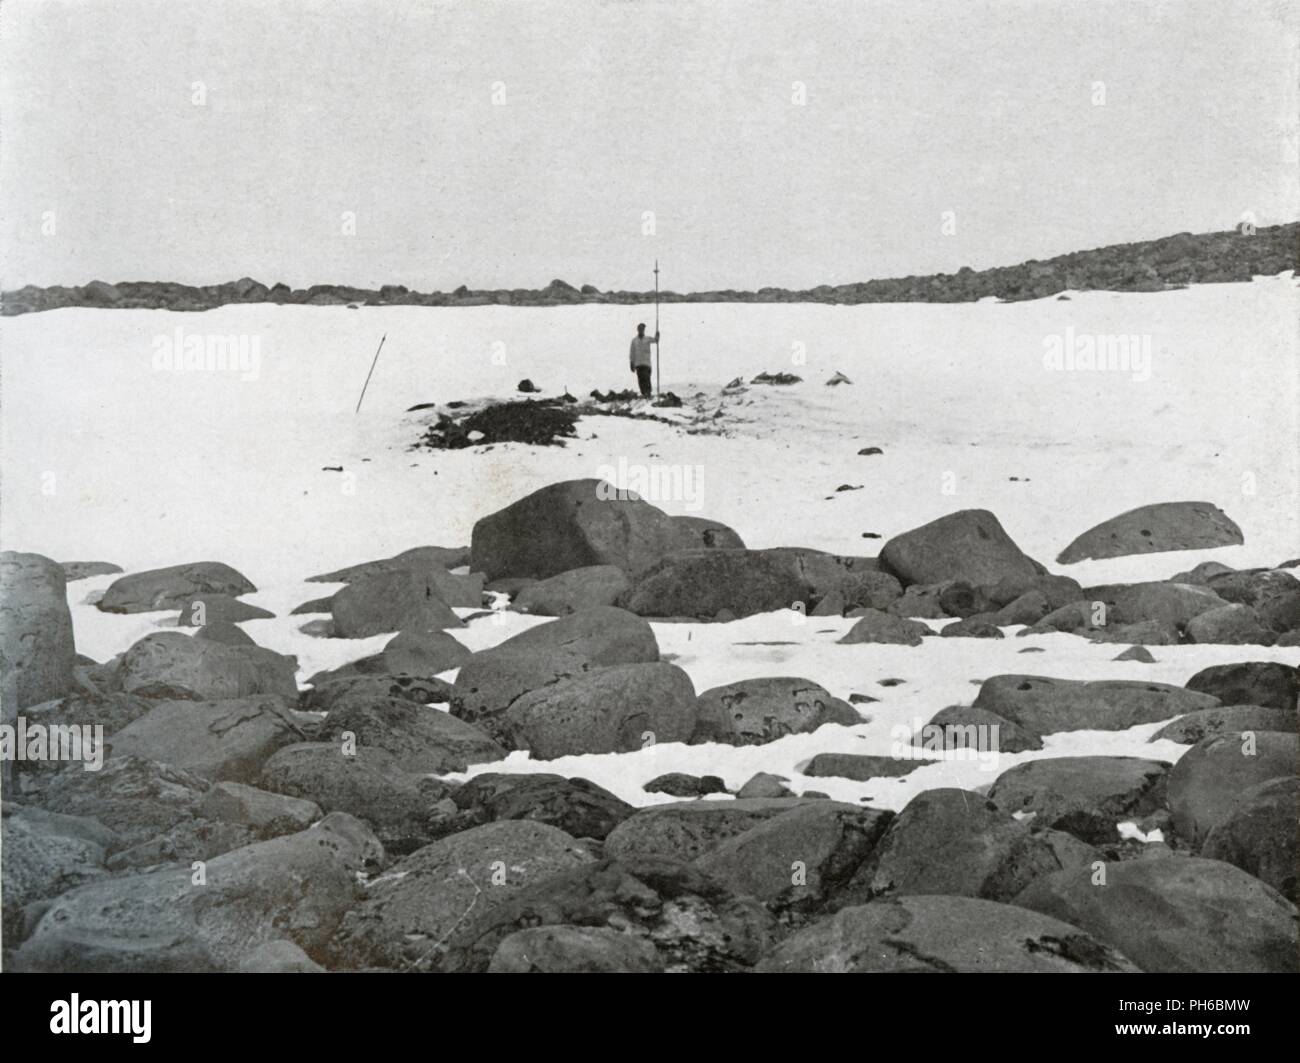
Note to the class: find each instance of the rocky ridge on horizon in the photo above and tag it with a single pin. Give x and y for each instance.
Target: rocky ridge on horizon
(1146, 266)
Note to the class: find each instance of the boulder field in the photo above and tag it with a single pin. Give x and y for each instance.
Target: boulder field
(369, 820)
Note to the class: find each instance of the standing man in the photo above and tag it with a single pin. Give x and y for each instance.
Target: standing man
(639, 358)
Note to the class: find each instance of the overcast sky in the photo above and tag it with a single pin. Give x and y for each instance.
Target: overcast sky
(502, 145)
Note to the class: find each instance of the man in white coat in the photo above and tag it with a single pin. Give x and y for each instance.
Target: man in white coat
(639, 358)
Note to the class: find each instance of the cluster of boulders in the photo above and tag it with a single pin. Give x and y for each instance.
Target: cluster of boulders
(240, 823)
(563, 548)
(1151, 265)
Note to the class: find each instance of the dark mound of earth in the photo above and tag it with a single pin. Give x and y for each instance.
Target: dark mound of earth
(543, 423)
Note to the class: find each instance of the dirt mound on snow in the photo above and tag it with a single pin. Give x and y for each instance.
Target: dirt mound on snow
(546, 422)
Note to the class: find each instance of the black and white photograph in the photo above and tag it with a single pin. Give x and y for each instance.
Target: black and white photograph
(650, 487)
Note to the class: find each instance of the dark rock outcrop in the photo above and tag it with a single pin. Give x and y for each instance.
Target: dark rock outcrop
(615, 709)
(1175, 914)
(757, 711)
(172, 587)
(1209, 781)
(37, 654)
(1047, 706)
(948, 934)
(968, 545)
(1155, 528)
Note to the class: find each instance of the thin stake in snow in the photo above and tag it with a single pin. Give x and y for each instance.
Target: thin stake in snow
(373, 362)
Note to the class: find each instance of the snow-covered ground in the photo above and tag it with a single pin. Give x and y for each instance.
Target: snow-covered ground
(109, 455)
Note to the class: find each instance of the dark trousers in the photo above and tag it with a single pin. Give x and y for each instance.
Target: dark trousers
(643, 378)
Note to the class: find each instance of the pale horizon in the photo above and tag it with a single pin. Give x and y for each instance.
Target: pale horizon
(485, 145)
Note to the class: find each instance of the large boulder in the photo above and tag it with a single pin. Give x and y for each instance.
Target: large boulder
(160, 814)
(920, 602)
(963, 600)
(1028, 608)
(886, 628)
(1175, 914)
(1269, 683)
(687, 829)
(859, 767)
(169, 664)
(1170, 604)
(315, 605)
(422, 740)
(218, 608)
(136, 799)
(45, 854)
(1201, 573)
(756, 711)
(736, 583)
(1085, 796)
(219, 740)
(1154, 529)
(764, 784)
(492, 680)
(799, 859)
(1207, 784)
(464, 591)
(580, 588)
(852, 582)
(423, 653)
(680, 784)
(443, 557)
(973, 627)
(616, 709)
(1047, 706)
(394, 601)
(1190, 729)
(268, 815)
(598, 636)
(574, 950)
(1056, 591)
(576, 806)
(1274, 595)
(413, 653)
(225, 632)
(364, 690)
(957, 843)
(112, 711)
(1260, 835)
(968, 545)
(172, 587)
(700, 533)
(1231, 625)
(966, 727)
(37, 654)
(948, 934)
(1147, 633)
(577, 523)
(1077, 618)
(691, 920)
(400, 806)
(409, 913)
(295, 887)
(77, 570)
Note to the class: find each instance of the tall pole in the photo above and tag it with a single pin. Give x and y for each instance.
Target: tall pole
(656, 328)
